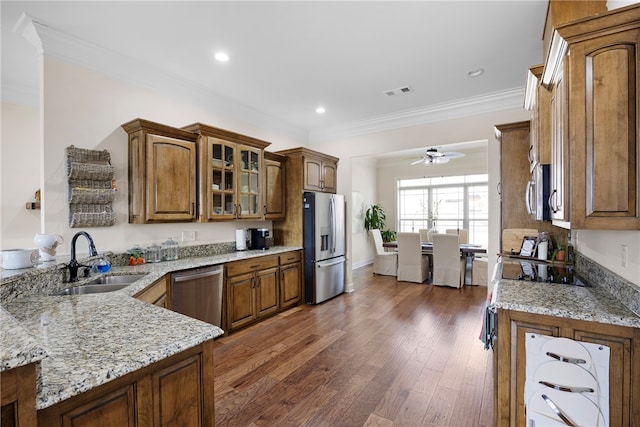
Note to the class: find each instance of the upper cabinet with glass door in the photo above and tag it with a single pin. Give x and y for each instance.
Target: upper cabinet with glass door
(230, 174)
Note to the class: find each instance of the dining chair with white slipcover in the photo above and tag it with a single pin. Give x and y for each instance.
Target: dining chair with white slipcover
(424, 235)
(461, 232)
(448, 264)
(413, 266)
(384, 263)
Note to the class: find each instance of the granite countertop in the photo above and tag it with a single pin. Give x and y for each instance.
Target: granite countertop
(591, 303)
(84, 341)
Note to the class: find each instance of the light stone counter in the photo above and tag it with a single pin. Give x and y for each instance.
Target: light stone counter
(19, 347)
(593, 304)
(84, 341)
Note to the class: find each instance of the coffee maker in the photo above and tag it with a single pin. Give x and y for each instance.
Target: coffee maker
(259, 238)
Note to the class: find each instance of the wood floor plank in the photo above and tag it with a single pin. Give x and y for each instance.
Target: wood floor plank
(389, 354)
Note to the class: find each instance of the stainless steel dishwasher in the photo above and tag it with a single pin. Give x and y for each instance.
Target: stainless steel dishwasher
(197, 293)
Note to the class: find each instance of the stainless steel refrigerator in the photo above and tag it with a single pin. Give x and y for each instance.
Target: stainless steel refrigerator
(324, 245)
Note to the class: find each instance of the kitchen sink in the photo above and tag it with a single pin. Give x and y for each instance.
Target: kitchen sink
(115, 280)
(101, 285)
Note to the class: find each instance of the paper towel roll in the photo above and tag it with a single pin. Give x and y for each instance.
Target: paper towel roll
(241, 239)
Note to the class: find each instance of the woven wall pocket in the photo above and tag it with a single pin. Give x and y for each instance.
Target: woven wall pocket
(91, 195)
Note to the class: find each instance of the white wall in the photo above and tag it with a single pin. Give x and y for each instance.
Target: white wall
(364, 193)
(86, 109)
(20, 177)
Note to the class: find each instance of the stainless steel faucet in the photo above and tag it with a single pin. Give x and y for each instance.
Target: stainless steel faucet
(73, 263)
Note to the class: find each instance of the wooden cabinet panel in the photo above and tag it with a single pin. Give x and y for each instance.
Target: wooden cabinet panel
(621, 367)
(267, 292)
(162, 173)
(114, 409)
(604, 78)
(559, 194)
(155, 293)
(290, 284)
(329, 176)
(240, 301)
(180, 397)
(312, 174)
(18, 396)
(514, 174)
(275, 192)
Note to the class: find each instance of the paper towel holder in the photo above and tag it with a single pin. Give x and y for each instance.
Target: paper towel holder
(241, 239)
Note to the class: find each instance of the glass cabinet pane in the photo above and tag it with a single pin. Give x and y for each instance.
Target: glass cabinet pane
(253, 184)
(254, 161)
(228, 156)
(228, 180)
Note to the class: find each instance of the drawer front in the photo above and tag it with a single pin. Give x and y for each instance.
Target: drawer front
(254, 264)
(290, 257)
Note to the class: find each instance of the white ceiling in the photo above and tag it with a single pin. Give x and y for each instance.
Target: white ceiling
(289, 57)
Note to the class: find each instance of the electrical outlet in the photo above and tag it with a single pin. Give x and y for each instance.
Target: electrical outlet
(188, 236)
(623, 261)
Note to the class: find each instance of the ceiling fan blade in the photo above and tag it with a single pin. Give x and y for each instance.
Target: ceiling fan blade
(453, 154)
(441, 160)
(418, 162)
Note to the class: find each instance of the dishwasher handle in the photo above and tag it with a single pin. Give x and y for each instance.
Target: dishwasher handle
(181, 277)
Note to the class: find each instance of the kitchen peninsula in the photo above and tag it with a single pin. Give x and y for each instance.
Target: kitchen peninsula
(109, 354)
(606, 313)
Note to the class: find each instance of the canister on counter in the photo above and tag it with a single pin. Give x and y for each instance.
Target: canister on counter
(170, 250)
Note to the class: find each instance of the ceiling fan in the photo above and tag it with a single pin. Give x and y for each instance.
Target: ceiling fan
(434, 157)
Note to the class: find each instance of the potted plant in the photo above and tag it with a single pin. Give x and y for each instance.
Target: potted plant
(375, 217)
(559, 254)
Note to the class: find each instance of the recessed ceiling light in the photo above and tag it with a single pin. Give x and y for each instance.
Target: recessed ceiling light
(320, 110)
(221, 57)
(476, 73)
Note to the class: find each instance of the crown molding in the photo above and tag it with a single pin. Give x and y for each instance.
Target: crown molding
(65, 47)
(497, 101)
(75, 51)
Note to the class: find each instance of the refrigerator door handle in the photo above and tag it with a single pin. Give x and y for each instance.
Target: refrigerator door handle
(330, 264)
(332, 226)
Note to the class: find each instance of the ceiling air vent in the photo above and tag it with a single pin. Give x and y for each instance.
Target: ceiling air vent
(398, 91)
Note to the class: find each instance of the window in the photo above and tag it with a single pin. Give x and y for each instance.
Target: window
(445, 202)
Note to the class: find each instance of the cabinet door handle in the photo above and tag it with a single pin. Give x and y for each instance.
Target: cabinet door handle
(499, 189)
(553, 209)
(529, 154)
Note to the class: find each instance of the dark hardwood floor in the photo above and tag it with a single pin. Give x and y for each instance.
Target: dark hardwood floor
(389, 354)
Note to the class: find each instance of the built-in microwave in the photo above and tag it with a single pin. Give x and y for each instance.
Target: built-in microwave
(538, 191)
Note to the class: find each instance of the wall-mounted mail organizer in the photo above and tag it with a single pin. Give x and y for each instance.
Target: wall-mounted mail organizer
(91, 192)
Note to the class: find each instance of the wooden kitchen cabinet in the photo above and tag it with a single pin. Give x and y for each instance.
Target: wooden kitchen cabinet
(155, 293)
(537, 100)
(515, 143)
(252, 290)
(594, 71)
(18, 396)
(274, 186)
(307, 170)
(510, 363)
(231, 174)
(174, 391)
(290, 279)
(320, 173)
(162, 173)
(559, 198)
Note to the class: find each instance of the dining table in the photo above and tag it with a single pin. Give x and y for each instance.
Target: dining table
(468, 250)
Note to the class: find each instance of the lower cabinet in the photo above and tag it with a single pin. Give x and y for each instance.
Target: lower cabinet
(18, 396)
(175, 391)
(290, 279)
(510, 363)
(252, 290)
(155, 293)
(260, 287)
